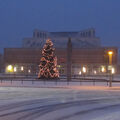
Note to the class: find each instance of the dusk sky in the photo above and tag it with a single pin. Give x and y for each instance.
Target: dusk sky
(18, 19)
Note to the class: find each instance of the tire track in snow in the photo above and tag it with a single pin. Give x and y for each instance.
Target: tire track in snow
(55, 107)
(30, 114)
(39, 111)
(52, 108)
(84, 112)
(24, 103)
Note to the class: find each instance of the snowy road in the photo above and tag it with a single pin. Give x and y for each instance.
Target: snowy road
(58, 104)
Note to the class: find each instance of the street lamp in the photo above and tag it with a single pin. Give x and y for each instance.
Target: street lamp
(110, 54)
(9, 68)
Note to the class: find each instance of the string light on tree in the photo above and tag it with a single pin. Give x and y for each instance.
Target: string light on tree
(48, 62)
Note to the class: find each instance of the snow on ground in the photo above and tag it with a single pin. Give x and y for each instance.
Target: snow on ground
(73, 103)
(59, 100)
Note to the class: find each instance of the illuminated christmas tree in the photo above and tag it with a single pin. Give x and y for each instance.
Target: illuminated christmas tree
(48, 62)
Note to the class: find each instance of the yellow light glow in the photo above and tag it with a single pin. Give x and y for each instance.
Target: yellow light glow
(84, 69)
(9, 68)
(110, 52)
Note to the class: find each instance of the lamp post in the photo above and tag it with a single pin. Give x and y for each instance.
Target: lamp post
(110, 54)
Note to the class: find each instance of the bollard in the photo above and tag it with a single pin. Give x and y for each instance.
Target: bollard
(32, 82)
(80, 82)
(11, 81)
(107, 83)
(94, 83)
(22, 81)
(67, 82)
(110, 81)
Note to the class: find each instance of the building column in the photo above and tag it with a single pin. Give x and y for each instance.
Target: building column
(69, 59)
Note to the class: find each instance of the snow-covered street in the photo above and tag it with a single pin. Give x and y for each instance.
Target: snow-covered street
(75, 103)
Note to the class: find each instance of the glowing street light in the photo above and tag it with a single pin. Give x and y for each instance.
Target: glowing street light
(110, 54)
(10, 68)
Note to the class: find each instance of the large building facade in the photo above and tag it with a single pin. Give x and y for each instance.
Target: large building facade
(85, 38)
(84, 51)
